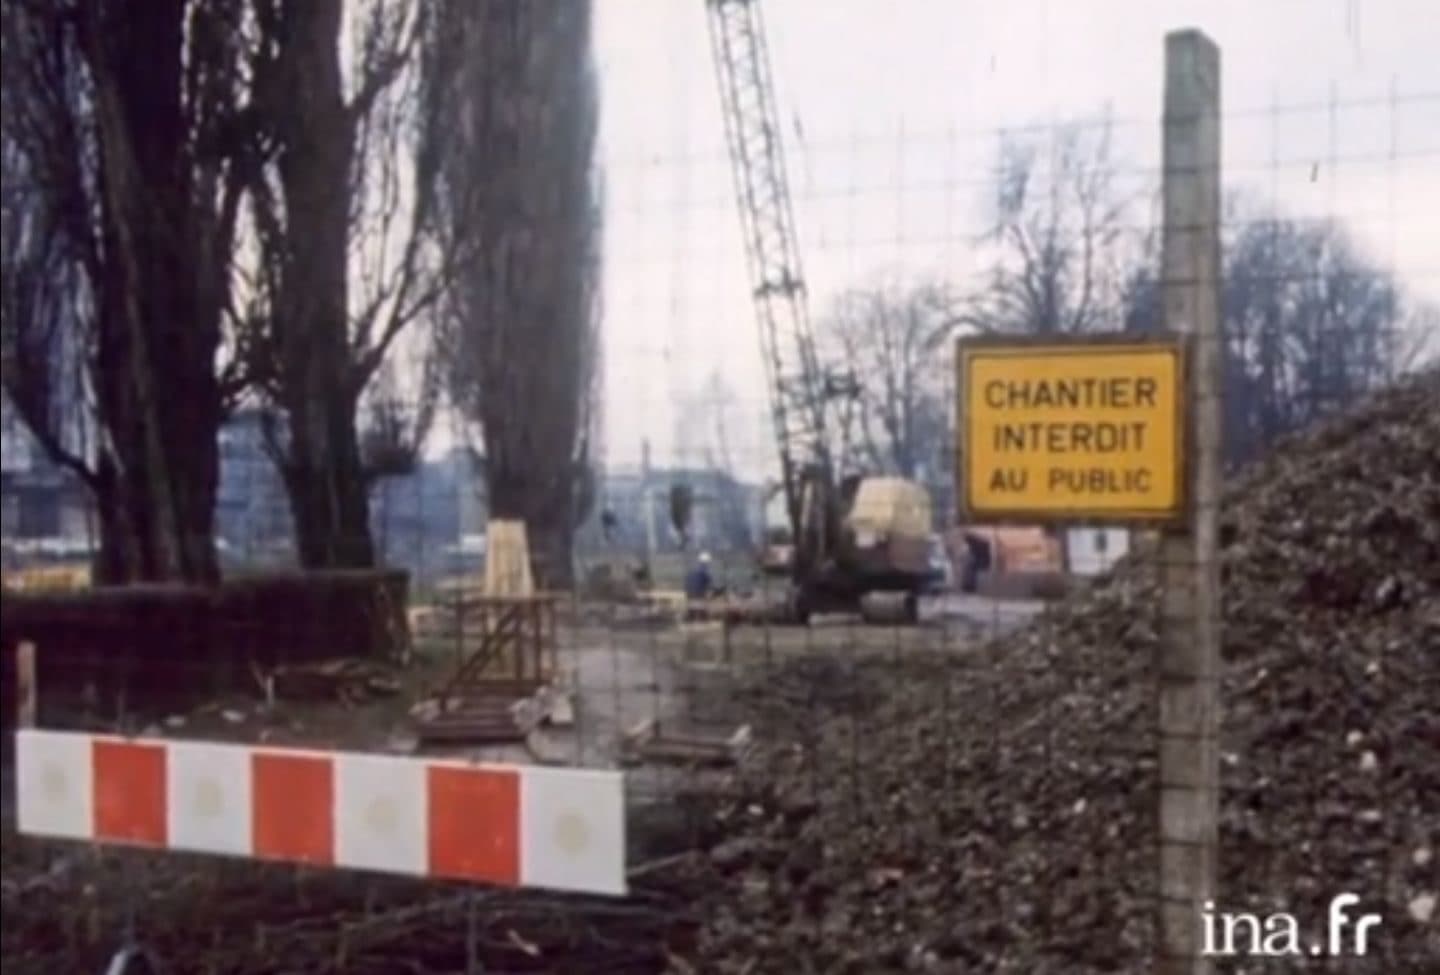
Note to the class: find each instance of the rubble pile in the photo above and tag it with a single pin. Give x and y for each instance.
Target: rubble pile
(66, 910)
(996, 811)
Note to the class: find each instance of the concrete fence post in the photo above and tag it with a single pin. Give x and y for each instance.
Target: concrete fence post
(1189, 656)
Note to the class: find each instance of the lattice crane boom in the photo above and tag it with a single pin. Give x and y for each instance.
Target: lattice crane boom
(796, 379)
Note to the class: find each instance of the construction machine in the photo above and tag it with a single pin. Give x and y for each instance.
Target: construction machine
(848, 544)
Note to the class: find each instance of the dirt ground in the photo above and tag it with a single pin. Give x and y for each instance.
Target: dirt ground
(66, 906)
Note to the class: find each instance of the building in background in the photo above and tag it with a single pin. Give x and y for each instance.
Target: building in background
(431, 521)
(252, 511)
(46, 514)
(417, 520)
(632, 512)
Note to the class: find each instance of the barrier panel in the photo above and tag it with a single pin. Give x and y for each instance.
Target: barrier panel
(529, 826)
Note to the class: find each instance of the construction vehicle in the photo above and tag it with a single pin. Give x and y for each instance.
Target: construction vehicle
(849, 544)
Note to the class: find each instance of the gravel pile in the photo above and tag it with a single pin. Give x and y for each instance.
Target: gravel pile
(996, 811)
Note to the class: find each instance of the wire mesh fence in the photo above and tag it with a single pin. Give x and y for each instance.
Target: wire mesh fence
(971, 792)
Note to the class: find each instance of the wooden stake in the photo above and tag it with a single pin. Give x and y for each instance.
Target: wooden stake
(27, 695)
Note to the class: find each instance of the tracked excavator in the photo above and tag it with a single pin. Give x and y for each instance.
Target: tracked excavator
(853, 543)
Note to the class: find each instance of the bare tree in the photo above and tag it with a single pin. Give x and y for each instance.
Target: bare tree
(1057, 234)
(1419, 340)
(890, 338)
(520, 329)
(396, 415)
(122, 187)
(351, 252)
(1309, 323)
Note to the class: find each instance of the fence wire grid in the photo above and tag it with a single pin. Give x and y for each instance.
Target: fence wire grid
(974, 792)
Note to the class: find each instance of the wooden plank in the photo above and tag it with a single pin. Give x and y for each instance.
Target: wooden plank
(507, 559)
(27, 694)
(645, 741)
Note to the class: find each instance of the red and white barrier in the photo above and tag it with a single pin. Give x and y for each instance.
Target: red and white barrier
(510, 825)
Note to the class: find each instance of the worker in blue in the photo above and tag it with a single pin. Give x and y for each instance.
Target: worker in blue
(698, 582)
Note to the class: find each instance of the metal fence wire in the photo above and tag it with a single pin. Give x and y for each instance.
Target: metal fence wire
(976, 791)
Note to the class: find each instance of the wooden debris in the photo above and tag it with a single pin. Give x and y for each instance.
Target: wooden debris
(646, 742)
(509, 713)
(480, 722)
(348, 680)
(557, 705)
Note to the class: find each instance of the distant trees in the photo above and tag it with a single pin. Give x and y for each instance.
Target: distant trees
(1419, 340)
(1309, 324)
(519, 329)
(123, 178)
(1059, 248)
(892, 339)
(1057, 237)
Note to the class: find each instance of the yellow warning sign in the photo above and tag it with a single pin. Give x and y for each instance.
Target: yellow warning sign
(1083, 431)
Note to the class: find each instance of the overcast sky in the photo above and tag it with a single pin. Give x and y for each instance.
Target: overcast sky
(892, 110)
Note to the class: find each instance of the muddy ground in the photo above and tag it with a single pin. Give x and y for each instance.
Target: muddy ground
(67, 907)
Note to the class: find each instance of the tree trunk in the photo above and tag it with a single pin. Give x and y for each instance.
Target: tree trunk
(552, 548)
(159, 323)
(549, 522)
(141, 542)
(324, 473)
(329, 500)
